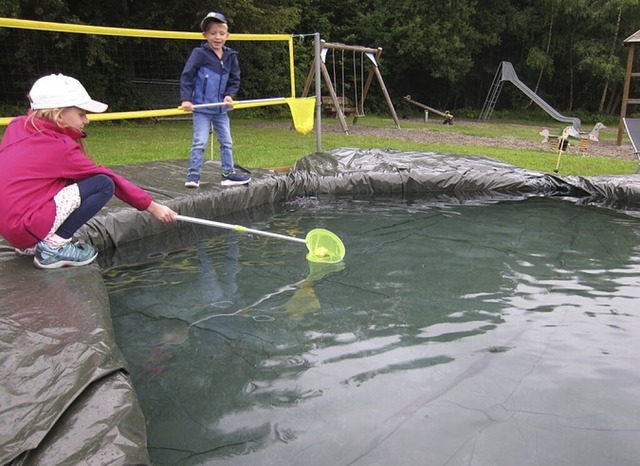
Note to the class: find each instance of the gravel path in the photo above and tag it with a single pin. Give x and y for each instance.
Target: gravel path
(602, 148)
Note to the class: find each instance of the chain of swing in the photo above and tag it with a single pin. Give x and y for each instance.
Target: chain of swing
(357, 96)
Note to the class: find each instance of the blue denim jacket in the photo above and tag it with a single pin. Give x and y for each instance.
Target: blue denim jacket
(208, 79)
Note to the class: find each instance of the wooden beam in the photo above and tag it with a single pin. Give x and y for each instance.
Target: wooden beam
(386, 96)
(355, 48)
(625, 93)
(334, 96)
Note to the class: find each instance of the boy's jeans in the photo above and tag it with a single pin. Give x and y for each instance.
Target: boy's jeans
(201, 125)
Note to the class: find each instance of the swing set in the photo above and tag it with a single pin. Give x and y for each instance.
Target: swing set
(339, 104)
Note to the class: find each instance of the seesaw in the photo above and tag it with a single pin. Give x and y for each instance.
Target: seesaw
(426, 107)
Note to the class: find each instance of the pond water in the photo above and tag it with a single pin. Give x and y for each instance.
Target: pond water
(483, 333)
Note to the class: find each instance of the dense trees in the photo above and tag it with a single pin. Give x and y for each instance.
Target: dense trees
(443, 53)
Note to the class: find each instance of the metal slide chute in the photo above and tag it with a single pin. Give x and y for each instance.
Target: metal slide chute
(506, 72)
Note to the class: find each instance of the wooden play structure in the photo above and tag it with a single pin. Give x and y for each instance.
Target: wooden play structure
(339, 104)
(631, 42)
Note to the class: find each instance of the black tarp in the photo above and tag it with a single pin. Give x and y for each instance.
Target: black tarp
(65, 394)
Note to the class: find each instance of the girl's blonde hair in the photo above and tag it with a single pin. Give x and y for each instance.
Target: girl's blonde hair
(52, 114)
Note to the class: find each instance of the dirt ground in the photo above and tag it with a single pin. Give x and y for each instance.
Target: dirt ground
(602, 148)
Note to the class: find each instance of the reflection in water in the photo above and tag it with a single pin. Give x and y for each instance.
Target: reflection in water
(453, 334)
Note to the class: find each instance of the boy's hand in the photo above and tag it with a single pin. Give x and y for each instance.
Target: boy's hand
(187, 106)
(228, 101)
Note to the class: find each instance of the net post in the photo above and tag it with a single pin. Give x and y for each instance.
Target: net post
(318, 50)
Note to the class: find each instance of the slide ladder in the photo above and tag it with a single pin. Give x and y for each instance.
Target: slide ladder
(506, 72)
(492, 96)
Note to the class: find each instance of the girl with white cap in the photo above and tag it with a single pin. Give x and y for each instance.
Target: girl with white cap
(49, 187)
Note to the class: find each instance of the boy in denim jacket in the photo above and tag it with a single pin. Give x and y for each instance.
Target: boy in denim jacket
(211, 76)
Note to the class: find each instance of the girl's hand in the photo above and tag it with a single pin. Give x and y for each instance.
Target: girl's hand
(161, 212)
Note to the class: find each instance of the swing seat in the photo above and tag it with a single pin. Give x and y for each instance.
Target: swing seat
(329, 108)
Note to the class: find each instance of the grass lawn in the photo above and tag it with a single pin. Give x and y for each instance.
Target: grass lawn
(265, 144)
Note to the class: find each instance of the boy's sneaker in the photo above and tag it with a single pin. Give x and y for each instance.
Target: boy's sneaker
(193, 181)
(68, 255)
(233, 179)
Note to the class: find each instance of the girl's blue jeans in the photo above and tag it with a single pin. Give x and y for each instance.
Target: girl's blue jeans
(201, 128)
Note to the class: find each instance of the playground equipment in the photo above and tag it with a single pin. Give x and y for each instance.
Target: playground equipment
(585, 137)
(594, 134)
(506, 72)
(445, 115)
(563, 143)
(557, 141)
(330, 108)
(339, 103)
(630, 73)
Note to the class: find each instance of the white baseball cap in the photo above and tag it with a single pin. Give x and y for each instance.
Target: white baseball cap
(59, 91)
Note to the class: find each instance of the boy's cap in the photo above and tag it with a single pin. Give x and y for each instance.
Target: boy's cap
(212, 16)
(60, 91)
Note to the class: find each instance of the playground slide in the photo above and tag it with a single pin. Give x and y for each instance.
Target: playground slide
(509, 74)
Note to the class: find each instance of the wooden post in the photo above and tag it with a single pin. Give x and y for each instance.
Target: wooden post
(334, 97)
(327, 79)
(367, 85)
(386, 96)
(625, 93)
(307, 83)
(316, 71)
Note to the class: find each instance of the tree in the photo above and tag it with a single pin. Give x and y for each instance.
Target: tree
(444, 53)
(601, 50)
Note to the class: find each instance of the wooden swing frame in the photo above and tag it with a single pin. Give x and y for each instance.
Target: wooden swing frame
(338, 103)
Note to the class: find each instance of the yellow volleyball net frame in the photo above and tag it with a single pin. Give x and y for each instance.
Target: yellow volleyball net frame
(299, 106)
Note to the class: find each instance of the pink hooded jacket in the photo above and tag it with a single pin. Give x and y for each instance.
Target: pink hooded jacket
(35, 164)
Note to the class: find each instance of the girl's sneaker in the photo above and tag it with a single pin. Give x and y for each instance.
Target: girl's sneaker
(25, 252)
(68, 255)
(232, 179)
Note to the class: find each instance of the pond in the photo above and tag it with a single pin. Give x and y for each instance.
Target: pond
(453, 333)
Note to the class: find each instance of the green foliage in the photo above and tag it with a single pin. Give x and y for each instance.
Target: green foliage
(538, 60)
(443, 53)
